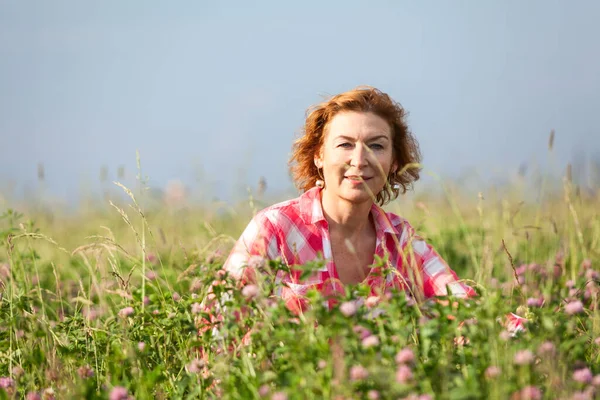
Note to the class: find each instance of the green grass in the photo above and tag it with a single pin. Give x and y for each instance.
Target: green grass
(65, 280)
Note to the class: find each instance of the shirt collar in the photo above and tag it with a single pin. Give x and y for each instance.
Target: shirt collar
(312, 212)
(310, 206)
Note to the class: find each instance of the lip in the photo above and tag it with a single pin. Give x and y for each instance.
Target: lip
(356, 178)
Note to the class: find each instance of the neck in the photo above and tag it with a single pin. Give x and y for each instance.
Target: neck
(344, 217)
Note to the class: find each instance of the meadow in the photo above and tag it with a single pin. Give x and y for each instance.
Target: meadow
(106, 302)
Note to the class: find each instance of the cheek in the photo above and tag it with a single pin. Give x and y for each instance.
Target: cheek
(385, 161)
(335, 160)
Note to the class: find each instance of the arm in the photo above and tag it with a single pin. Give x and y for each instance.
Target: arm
(256, 244)
(435, 274)
(431, 269)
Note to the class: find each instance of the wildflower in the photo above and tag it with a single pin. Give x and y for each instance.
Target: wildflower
(322, 364)
(570, 284)
(250, 291)
(403, 374)
(461, 341)
(574, 307)
(6, 383)
(126, 312)
(176, 297)
(279, 396)
(590, 274)
(557, 271)
(546, 348)
(195, 285)
(216, 283)
(405, 356)
(17, 371)
(581, 396)
(370, 341)
(348, 308)
(195, 366)
(362, 331)
(372, 301)
(196, 308)
(358, 372)
(505, 336)
(583, 375)
(492, 372)
(530, 393)
(52, 374)
(151, 275)
(535, 268)
(263, 391)
(151, 258)
(48, 394)
(155, 312)
(373, 395)
(146, 300)
(91, 313)
(586, 264)
(85, 372)
(515, 323)
(535, 302)
(596, 380)
(597, 341)
(573, 292)
(425, 397)
(523, 357)
(33, 396)
(4, 270)
(118, 393)
(141, 346)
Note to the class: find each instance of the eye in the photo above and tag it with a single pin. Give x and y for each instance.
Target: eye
(377, 146)
(345, 145)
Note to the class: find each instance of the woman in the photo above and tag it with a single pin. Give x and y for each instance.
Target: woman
(356, 153)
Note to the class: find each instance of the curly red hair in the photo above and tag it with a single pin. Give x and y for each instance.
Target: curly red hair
(362, 99)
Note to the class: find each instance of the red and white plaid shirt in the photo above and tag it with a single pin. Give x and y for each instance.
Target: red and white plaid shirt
(296, 232)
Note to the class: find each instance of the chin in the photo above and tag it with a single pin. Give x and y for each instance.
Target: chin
(359, 195)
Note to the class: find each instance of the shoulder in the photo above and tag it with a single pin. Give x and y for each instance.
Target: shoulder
(276, 213)
(395, 224)
(396, 220)
(405, 233)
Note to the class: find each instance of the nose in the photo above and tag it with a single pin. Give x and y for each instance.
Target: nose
(360, 156)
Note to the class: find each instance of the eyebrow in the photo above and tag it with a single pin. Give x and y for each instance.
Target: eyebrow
(370, 140)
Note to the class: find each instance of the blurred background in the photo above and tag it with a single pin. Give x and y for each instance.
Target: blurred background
(212, 94)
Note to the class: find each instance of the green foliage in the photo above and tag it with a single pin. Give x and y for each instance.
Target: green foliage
(126, 309)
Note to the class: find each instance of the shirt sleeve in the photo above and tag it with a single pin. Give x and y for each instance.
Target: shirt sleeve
(257, 244)
(435, 276)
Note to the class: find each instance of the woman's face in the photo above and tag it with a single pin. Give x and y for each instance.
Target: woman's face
(356, 156)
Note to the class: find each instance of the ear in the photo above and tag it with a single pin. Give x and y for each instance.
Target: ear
(394, 168)
(318, 160)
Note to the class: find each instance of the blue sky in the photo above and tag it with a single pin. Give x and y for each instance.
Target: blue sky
(213, 94)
